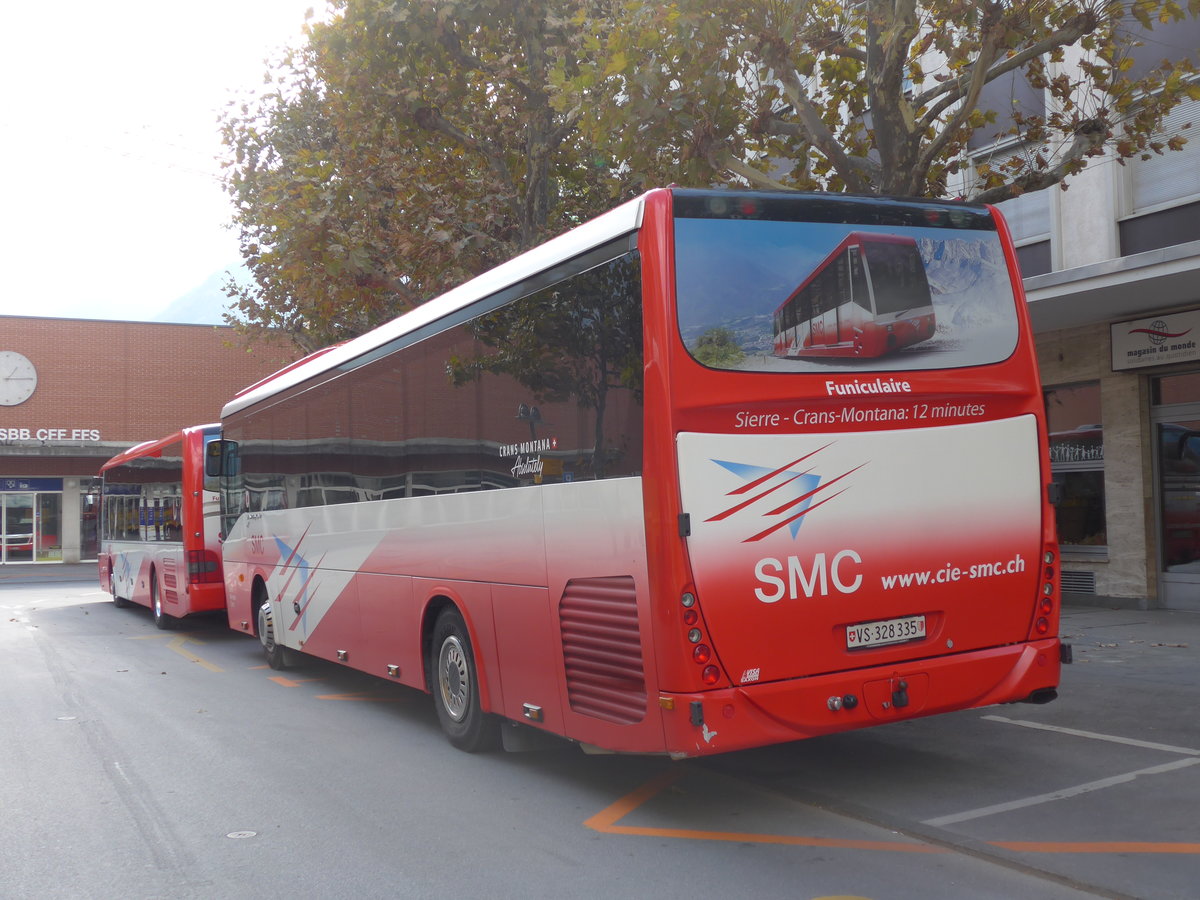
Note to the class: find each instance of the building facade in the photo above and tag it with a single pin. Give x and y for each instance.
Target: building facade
(1112, 278)
(75, 392)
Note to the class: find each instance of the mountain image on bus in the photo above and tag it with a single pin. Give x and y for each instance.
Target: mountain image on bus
(580, 495)
(869, 297)
(159, 527)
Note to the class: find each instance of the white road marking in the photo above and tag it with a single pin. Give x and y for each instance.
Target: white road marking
(1059, 795)
(1092, 735)
(1194, 758)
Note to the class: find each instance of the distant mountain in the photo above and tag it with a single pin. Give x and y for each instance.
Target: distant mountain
(203, 305)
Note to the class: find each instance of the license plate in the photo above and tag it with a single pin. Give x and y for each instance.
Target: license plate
(886, 631)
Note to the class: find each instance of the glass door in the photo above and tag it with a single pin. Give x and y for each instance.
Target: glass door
(1179, 486)
(49, 528)
(1176, 421)
(89, 518)
(17, 530)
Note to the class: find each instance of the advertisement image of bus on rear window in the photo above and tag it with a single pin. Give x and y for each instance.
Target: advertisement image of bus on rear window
(783, 296)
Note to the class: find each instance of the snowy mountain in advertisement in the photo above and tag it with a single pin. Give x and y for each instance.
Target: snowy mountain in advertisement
(956, 265)
(969, 282)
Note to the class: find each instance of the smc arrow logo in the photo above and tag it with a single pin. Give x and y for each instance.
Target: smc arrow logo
(781, 496)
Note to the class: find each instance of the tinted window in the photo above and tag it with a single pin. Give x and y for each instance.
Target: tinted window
(783, 296)
(544, 389)
(143, 499)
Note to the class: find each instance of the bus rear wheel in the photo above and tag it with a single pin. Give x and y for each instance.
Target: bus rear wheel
(162, 621)
(455, 686)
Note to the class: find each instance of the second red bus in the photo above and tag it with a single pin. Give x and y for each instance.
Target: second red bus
(159, 543)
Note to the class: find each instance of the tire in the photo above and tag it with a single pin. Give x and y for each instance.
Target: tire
(162, 621)
(455, 685)
(118, 601)
(277, 654)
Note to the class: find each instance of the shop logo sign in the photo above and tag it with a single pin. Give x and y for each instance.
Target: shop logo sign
(1156, 341)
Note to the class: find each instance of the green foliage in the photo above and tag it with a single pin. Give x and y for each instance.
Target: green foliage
(717, 348)
(873, 97)
(410, 145)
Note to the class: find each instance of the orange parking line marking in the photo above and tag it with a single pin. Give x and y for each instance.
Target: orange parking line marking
(359, 696)
(608, 817)
(790, 840)
(606, 821)
(291, 682)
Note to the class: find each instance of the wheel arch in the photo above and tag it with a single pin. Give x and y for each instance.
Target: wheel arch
(259, 594)
(435, 605)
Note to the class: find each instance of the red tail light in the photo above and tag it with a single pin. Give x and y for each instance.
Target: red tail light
(204, 567)
(702, 653)
(1046, 608)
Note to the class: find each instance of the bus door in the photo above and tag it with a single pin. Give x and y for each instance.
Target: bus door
(839, 291)
(820, 310)
(860, 293)
(830, 291)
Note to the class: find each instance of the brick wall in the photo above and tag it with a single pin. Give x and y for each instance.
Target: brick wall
(132, 381)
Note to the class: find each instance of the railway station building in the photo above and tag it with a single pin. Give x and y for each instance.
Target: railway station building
(75, 392)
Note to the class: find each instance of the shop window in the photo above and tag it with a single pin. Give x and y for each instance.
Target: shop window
(1174, 389)
(1077, 463)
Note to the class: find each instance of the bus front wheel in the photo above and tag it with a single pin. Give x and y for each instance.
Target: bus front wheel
(455, 686)
(277, 655)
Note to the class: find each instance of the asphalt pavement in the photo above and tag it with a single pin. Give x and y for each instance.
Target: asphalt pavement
(48, 573)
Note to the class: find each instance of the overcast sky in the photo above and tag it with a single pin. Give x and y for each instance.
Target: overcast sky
(108, 137)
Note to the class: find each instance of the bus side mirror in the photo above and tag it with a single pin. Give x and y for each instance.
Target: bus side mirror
(220, 460)
(214, 455)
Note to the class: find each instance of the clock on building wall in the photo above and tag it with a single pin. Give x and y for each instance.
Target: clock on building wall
(18, 378)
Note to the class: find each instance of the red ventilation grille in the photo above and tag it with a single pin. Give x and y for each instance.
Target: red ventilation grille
(602, 649)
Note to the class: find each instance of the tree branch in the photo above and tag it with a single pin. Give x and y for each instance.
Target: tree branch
(754, 176)
(1089, 138)
(989, 49)
(951, 91)
(432, 120)
(855, 170)
(449, 41)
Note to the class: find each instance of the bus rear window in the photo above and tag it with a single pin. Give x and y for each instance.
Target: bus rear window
(794, 296)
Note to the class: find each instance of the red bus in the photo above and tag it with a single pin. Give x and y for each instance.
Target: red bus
(581, 494)
(869, 297)
(159, 527)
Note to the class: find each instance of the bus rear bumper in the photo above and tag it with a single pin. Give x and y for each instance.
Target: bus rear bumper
(206, 597)
(755, 715)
